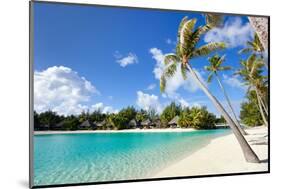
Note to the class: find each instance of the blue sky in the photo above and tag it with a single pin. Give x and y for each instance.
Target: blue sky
(88, 57)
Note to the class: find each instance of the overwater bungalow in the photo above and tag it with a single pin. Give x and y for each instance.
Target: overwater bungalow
(87, 125)
(174, 122)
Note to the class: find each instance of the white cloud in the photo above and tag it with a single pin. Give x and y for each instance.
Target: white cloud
(176, 82)
(183, 103)
(104, 109)
(131, 58)
(147, 101)
(233, 81)
(151, 86)
(62, 90)
(234, 33)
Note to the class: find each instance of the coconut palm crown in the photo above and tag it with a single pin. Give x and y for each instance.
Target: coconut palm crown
(187, 48)
(215, 66)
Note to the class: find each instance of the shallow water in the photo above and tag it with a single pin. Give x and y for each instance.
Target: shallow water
(78, 158)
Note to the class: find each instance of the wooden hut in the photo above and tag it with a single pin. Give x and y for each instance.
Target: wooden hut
(146, 123)
(87, 125)
(58, 126)
(133, 124)
(157, 123)
(100, 124)
(174, 122)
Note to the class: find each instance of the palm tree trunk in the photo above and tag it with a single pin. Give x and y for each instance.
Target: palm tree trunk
(249, 154)
(261, 109)
(262, 102)
(230, 106)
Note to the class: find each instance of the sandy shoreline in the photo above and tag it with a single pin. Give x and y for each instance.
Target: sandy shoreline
(222, 155)
(115, 131)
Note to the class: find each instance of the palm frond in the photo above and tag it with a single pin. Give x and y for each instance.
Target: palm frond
(170, 70)
(224, 68)
(162, 83)
(210, 77)
(185, 34)
(245, 50)
(170, 58)
(214, 20)
(208, 48)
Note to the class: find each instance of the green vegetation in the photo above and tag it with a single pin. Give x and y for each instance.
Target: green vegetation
(250, 114)
(196, 117)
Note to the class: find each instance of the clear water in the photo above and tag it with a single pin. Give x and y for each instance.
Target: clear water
(78, 158)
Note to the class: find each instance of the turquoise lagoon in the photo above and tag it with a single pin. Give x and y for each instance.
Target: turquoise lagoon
(96, 157)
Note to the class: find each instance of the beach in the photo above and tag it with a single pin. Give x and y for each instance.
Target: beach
(222, 155)
(116, 131)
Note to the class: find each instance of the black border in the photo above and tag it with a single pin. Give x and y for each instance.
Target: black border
(31, 104)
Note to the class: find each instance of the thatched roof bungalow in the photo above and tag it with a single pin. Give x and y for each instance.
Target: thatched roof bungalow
(58, 126)
(133, 123)
(174, 122)
(87, 125)
(101, 123)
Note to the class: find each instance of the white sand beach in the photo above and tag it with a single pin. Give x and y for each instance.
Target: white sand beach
(116, 131)
(222, 155)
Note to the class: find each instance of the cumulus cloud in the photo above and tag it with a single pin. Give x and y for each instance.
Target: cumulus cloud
(102, 108)
(62, 90)
(124, 61)
(233, 81)
(234, 33)
(151, 86)
(147, 101)
(176, 82)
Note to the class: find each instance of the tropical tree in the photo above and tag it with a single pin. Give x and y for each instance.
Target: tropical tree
(249, 113)
(187, 49)
(169, 113)
(214, 67)
(251, 72)
(197, 117)
(255, 47)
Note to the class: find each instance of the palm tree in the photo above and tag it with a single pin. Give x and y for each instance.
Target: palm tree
(214, 67)
(255, 47)
(251, 73)
(188, 38)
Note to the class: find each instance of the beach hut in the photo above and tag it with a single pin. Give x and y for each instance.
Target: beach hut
(44, 127)
(87, 125)
(157, 123)
(133, 124)
(101, 124)
(174, 122)
(146, 123)
(58, 126)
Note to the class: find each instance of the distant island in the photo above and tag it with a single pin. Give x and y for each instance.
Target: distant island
(173, 116)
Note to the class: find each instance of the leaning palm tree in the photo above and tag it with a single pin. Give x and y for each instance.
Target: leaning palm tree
(187, 49)
(251, 72)
(255, 47)
(214, 67)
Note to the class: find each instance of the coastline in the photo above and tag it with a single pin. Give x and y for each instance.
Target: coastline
(221, 156)
(116, 131)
